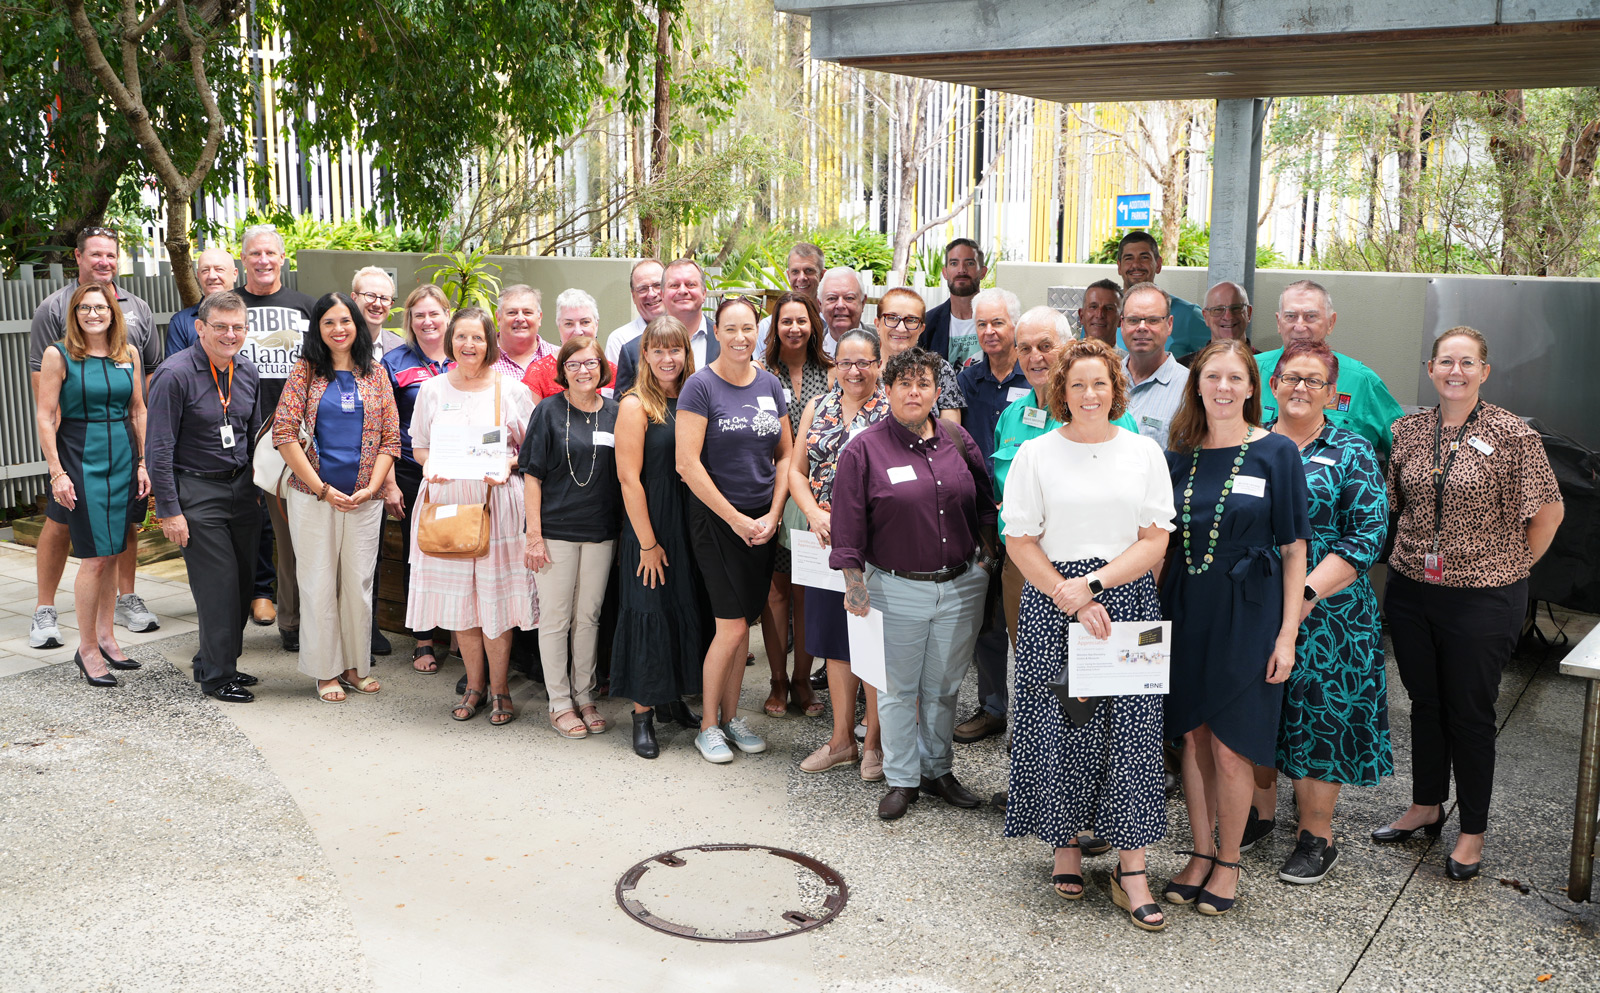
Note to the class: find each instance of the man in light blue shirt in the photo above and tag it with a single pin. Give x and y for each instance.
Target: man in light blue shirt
(1139, 261)
(1155, 379)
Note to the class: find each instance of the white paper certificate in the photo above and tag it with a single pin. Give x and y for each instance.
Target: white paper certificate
(866, 648)
(1135, 660)
(810, 563)
(467, 451)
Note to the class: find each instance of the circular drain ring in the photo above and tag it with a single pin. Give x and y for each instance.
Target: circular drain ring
(802, 921)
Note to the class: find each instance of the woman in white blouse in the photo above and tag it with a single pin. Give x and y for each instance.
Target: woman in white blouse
(1087, 511)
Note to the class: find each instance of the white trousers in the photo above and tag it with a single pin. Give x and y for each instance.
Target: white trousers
(334, 558)
(571, 590)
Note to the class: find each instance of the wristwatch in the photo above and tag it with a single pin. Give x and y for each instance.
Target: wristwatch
(1096, 587)
(1312, 596)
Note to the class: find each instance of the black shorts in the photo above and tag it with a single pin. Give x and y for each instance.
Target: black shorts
(736, 575)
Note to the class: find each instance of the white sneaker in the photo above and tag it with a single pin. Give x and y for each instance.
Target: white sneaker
(713, 745)
(134, 615)
(45, 631)
(744, 739)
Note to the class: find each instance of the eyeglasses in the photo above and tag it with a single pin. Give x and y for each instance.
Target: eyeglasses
(896, 321)
(93, 308)
(1235, 309)
(377, 298)
(1465, 365)
(641, 287)
(1134, 322)
(1311, 382)
(1298, 316)
(229, 328)
(862, 364)
(586, 365)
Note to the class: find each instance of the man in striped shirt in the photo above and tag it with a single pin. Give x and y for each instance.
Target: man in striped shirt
(1155, 379)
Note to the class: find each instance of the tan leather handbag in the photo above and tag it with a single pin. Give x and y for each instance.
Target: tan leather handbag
(455, 530)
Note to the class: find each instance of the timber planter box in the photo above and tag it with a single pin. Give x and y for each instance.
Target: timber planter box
(153, 545)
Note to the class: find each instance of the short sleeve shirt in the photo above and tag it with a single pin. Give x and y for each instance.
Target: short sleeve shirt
(50, 326)
(278, 323)
(743, 428)
(1087, 501)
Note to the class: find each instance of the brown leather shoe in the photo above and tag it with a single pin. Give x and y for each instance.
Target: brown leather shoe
(894, 804)
(979, 726)
(947, 789)
(262, 611)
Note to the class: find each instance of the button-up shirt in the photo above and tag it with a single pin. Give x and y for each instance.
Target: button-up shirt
(1153, 402)
(908, 503)
(986, 398)
(508, 366)
(184, 418)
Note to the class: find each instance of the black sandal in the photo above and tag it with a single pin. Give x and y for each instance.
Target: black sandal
(1183, 893)
(1061, 879)
(1139, 915)
(467, 705)
(1212, 905)
(419, 652)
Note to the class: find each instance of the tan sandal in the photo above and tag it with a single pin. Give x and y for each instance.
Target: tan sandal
(569, 725)
(362, 684)
(593, 721)
(331, 694)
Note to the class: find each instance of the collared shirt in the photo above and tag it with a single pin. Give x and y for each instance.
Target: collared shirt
(183, 422)
(386, 342)
(986, 398)
(507, 366)
(908, 503)
(1013, 429)
(1361, 403)
(614, 342)
(50, 326)
(408, 369)
(1153, 402)
(180, 330)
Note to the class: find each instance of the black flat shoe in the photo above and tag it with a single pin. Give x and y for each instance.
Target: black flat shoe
(123, 663)
(107, 680)
(679, 713)
(644, 735)
(950, 791)
(244, 679)
(380, 644)
(290, 638)
(1387, 835)
(1209, 903)
(231, 693)
(1461, 873)
(1093, 844)
(1255, 829)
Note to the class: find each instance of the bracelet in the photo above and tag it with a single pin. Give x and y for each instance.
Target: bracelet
(57, 476)
(324, 494)
(651, 548)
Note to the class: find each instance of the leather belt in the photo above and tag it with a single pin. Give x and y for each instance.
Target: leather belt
(941, 576)
(233, 473)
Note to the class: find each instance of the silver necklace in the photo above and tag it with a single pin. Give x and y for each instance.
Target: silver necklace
(594, 450)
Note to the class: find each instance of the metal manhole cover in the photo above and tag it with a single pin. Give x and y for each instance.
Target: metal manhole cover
(732, 893)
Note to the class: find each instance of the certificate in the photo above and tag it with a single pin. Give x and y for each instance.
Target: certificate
(467, 451)
(809, 563)
(866, 648)
(1135, 660)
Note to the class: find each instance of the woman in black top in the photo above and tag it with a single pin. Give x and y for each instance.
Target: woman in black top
(569, 471)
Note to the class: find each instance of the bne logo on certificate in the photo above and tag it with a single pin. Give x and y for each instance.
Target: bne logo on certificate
(1135, 661)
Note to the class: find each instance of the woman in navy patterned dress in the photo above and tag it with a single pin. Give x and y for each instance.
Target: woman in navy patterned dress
(1335, 729)
(1087, 511)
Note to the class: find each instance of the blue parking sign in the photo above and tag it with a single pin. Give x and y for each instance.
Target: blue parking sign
(1133, 210)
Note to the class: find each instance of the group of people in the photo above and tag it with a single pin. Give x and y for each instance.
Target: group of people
(981, 476)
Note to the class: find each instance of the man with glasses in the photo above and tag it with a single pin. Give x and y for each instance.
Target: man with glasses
(644, 284)
(98, 257)
(1360, 401)
(216, 272)
(373, 291)
(1139, 261)
(683, 292)
(202, 423)
(1155, 379)
(278, 319)
(1227, 313)
(952, 330)
(803, 271)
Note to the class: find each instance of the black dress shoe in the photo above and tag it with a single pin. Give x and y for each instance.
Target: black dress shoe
(896, 802)
(461, 684)
(1387, 835)
(644, 735)
(290, 638)
(244, 679)
(380, 644)
(1461, 873)
(231, 693)
(107, 680)
(679, 713)
(950, 791)
(122, 663)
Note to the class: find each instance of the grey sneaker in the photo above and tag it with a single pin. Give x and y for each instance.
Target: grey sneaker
(713, 745)
(45, 631)
(744, 739)
(134, 615)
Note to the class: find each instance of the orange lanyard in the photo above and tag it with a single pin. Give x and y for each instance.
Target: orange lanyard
(224, 400)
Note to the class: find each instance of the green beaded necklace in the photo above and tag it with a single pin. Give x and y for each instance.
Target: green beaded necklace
(1188, 506)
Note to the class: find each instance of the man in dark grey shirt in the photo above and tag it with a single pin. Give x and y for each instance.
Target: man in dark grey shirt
(203, 416)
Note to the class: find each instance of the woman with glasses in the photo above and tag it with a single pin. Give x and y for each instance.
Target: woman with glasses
(794, 354)
(569, 472)
(1335, 728)
(899, 323)
(90, 414)
(855, 401)
(1476, 505)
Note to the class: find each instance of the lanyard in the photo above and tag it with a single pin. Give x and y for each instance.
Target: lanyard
(1442, 474)
(224, 400)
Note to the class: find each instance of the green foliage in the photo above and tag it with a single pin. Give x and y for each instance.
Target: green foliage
(757, 260)
(304, 231)
(1430, 251)
(465, 278)
(862, 249)
(1194, 246)
(928, 265)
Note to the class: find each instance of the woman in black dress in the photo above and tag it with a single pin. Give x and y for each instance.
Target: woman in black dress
(660, 639)
(1233, 589)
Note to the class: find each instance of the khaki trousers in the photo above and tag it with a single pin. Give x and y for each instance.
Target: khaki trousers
(335, 557)
(572, 589)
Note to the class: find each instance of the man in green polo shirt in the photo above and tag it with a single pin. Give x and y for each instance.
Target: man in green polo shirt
(1361, 402)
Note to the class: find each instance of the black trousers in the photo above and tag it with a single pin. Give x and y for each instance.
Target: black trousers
(1451, 645)
(224, 528)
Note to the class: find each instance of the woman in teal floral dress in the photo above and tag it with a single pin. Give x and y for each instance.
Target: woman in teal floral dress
(1335, 726)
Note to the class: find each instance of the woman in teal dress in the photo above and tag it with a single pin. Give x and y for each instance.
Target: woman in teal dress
(91, 427)
(1335, 729)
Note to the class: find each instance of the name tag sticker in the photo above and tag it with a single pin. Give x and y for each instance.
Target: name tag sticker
(605, 438)
(1255, 486)
(1033, 417)
(1151, 422)
(1324, 460)
(1481, 445)
(227, 435)
(444, 511)
(450, 407)
(766, 403)
(902, 474)
(124, 365)
(1017, 393)
(788, 395)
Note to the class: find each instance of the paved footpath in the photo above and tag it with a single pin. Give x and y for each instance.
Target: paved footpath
(151, 839)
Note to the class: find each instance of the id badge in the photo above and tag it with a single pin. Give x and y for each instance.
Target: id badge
(227, 435)
(1433, 567)
(1033, 417)
(347, 402)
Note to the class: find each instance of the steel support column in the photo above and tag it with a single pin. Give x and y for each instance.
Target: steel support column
(1235, 192)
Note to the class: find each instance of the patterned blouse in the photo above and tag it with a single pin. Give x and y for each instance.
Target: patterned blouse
(830, 431)
(380, 427)
(813, 383)
(1500, 479)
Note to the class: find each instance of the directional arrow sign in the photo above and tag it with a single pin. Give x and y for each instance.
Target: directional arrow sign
(1133, 210)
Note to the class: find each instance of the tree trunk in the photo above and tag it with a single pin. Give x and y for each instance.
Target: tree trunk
(177, 243)
(660, 128)
(1513, 161)
(1575, 172)
(909, 130)
(1407, 130)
